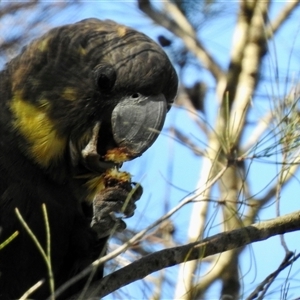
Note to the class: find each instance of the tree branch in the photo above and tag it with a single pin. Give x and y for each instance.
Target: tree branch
(249, 75)
(216, 244)
(185, 32)
(139, 235)
(281, 18)
(262, 288)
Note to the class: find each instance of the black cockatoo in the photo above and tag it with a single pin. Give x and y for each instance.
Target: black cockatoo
(74, 105)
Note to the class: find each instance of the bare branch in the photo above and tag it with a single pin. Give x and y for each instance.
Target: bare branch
(281, 18)
(248, 78)
(219, 266)
(261, 127)
(185, 32)
(239, 41)
(216, 244)
(139, 235)
(185, 140)
(262, 288)
(13, 7)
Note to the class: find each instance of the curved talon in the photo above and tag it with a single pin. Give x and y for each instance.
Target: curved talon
(138, 190)
(109, 204)
(106, 226)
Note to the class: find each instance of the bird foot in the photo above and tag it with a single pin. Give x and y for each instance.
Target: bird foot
(112, 206)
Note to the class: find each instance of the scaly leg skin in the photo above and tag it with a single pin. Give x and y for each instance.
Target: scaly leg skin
(111, 203)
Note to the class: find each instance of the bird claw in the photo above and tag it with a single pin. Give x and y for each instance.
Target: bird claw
(112, 206)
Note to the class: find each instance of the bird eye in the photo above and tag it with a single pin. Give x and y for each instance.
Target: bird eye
(105, 77)
(135, 95)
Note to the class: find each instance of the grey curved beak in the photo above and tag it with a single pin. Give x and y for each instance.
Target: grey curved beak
(137, 122)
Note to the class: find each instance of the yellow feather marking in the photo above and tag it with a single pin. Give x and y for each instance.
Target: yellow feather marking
(43, 45)
(45, 146)
(70, 93)
(121, 30)
(95, 186)
(82, 51)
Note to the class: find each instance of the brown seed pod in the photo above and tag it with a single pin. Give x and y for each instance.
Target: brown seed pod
(115, 178)
(118, 155)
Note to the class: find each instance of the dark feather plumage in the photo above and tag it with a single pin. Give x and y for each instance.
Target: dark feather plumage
(54, 98)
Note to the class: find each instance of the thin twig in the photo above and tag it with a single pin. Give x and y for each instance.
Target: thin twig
(262, 288)
(32, 290)
(48, 245)
(39, 247)
(8, 240)
(216, 244)
(138, 236)
(186, 33)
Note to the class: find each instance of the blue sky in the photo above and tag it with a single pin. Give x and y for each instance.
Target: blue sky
(168, 161)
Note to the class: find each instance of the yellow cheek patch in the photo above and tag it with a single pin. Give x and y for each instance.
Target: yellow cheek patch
(45, 146)
(70, 94)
